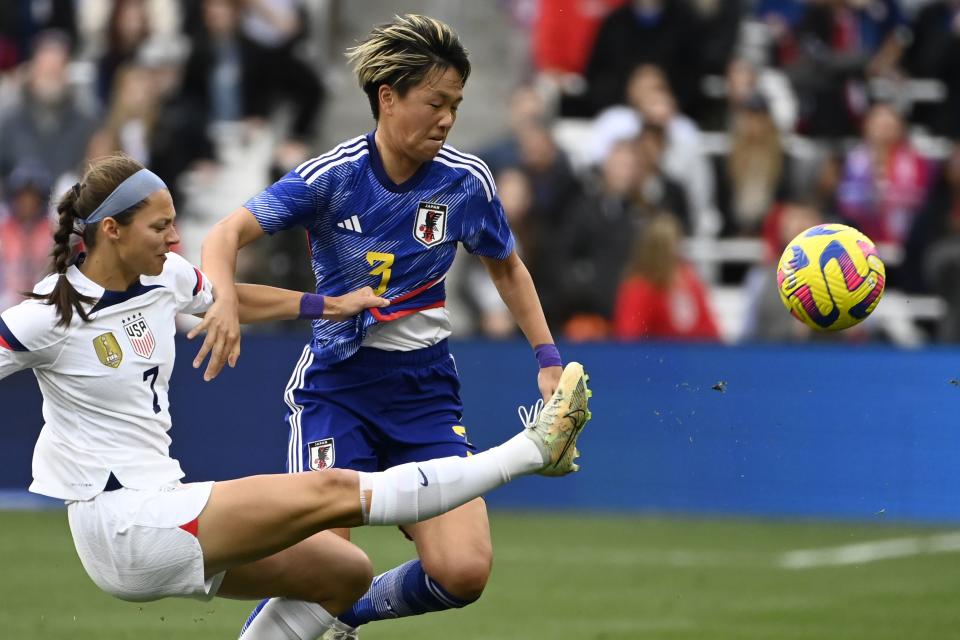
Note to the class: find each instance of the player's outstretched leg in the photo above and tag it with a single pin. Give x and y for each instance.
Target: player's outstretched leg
(547, 445)
(417, 491)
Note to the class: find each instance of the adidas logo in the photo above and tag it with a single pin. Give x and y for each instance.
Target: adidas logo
(351, 224)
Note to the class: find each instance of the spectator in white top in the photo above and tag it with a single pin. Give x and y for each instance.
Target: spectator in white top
(47, 126)
(651, 100)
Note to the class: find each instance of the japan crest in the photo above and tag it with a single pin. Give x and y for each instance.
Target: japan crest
(322, 454)
(140, 335)
(431, 223)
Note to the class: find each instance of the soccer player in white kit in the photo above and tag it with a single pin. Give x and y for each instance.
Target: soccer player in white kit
(99, 336)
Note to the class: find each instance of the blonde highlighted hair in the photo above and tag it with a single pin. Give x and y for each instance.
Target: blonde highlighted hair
(402, 53)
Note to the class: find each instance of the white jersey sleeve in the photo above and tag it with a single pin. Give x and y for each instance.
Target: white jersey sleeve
(193, 290)
(29, 337)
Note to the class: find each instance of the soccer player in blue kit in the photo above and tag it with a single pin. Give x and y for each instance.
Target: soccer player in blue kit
(387, 210)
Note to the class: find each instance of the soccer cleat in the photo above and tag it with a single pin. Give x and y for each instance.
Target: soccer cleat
(340, 634)
(555, 427)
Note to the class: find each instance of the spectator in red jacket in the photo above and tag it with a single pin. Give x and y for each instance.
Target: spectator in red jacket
(564, 31)
(662, 296)
(25, 233)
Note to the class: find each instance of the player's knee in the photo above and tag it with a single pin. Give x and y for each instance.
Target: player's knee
(343, 581)
(353, 577)
(338, 491)
(358, 579)
(464, 577)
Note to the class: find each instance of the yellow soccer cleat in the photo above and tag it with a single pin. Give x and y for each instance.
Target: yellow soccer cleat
(555, 427)
(340, 634)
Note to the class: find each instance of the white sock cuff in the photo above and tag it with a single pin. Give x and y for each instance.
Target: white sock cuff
(393, 495)
(366, 485)
(283, 619)
(310, 617)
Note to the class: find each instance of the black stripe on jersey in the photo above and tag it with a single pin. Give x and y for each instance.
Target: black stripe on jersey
(111, 298)
(199, 285)
(8, 339)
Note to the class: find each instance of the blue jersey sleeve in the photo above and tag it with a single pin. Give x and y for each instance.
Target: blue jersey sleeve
(487, 233)
(287, 203)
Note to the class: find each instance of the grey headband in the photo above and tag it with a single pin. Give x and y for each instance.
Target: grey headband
(137, 187)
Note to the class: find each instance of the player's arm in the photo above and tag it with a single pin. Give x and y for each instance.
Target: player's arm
(219, 260)
(260, 303)
(9, 363)
(220, 248)
(28, 339)
(516, 288)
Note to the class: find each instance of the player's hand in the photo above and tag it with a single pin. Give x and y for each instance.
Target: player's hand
(222, 324)
(350, 304)
(548, 379)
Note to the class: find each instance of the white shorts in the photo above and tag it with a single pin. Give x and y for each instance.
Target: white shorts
(133, 547)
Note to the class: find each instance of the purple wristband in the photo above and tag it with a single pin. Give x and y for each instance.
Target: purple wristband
(548, 355)
(311, 306)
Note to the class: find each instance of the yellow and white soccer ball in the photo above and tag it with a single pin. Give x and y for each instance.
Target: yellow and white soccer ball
(830, 277)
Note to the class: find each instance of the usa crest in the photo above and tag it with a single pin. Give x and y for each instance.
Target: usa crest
(140, 335)
(322, 454)
(431, 224)
(108, 350)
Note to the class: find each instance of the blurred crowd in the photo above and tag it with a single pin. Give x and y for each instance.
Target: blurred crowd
(658, 154)
(176, 84)
(663, 152)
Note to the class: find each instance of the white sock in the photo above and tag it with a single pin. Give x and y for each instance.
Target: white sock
(421, 490)
(283, 619)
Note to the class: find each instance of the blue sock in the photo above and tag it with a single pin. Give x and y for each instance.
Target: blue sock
(253, 615)
(403, 591)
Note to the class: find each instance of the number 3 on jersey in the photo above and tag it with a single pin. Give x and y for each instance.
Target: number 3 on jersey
(381, 263)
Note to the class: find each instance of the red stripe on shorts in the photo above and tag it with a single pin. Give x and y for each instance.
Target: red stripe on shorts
(191, 527)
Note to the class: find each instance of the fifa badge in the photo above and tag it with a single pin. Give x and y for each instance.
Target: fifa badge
(108, 350)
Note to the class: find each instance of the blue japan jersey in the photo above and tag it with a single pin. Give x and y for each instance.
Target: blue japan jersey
(364, 230)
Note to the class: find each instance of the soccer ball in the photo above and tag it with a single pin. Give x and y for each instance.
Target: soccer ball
(830, 277)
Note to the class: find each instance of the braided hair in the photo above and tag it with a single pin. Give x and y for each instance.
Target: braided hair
(102, 177)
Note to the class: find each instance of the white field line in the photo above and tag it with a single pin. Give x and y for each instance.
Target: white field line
(864, 552)
(635, 557)
(851, 554)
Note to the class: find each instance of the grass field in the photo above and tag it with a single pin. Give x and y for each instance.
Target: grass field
(559, 577)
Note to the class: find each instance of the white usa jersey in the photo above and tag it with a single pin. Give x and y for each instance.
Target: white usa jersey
(104, 382)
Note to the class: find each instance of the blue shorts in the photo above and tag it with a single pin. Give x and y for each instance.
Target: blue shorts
(375, 410)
